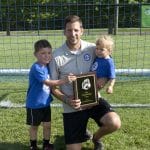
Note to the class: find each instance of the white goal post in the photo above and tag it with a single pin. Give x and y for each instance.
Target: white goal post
(144, 72)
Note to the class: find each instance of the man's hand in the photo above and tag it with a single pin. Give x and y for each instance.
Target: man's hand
(76, 104)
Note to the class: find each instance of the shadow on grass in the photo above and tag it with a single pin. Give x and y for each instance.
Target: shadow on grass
(3, 96)
(60, 144)
(13, 146)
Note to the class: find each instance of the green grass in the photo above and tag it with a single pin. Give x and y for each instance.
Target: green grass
(132, 92)
(131, 50)
(126, 91)
(133, 135)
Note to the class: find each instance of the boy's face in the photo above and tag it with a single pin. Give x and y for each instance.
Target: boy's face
(44, 55)
(102, 52)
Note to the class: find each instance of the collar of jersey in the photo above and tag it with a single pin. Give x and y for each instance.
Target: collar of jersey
(68, 51)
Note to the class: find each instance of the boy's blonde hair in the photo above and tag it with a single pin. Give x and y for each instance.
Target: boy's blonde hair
(105, 41)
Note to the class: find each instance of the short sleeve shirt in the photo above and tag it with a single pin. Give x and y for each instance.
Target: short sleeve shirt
(104, 68)
(38, 94)
(65, 62)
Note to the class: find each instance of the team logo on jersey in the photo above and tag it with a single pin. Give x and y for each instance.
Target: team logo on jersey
(46, 88)
(48, 77)
(87, 57)
(94, 66)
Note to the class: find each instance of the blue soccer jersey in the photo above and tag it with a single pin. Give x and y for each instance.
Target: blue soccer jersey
(38, 94)
(104, 68)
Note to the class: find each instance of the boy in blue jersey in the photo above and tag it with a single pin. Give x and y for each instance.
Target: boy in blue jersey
(104, 64)
(39, 95)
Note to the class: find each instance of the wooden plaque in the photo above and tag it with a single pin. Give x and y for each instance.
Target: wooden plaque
(85, 89)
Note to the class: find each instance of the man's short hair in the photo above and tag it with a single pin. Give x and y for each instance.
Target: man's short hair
(72, 19)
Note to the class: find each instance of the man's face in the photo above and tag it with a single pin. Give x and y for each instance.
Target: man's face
(73, 33)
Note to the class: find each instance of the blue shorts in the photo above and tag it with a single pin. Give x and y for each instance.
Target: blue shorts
(36, 116)
(75, 123)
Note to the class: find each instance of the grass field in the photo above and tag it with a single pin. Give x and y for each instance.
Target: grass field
(133, 135)
(131, 51)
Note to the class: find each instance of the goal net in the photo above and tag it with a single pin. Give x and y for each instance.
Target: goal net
(23, 23)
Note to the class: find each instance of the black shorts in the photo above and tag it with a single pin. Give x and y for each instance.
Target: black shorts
(75, 123)
(36, 116)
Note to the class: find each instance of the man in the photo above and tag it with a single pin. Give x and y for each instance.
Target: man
(76, 56)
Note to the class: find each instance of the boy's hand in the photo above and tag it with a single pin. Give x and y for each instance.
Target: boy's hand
(71, 78)
(109, 90)
(101, 82)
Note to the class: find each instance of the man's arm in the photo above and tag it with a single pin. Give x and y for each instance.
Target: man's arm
(59, 95)
(69, 100)
(68, 79)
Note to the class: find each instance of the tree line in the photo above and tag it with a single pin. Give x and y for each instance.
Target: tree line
(25, 15)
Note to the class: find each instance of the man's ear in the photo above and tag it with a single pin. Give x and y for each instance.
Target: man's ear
(82, 31)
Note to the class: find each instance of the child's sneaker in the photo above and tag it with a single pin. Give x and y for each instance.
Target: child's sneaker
(98, 145)
(34, 148)
(48, 147)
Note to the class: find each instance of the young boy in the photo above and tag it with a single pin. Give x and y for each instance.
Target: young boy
(38, 95)
(104, 64)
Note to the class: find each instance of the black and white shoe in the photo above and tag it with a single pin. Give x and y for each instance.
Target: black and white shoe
(34, 148)
(88, 135)
(98, 145)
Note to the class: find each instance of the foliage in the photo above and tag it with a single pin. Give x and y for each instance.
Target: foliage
(45, 14)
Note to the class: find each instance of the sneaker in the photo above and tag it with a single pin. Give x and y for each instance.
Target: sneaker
(48, 147)
(88, 135)
(34, 148)
(98, 145)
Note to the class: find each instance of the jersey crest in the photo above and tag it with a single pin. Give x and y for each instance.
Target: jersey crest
(87, 57)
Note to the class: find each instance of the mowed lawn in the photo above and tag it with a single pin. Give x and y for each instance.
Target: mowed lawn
(131, 51)
(133, 135)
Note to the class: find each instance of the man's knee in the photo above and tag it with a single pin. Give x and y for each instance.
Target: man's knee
(112, 121)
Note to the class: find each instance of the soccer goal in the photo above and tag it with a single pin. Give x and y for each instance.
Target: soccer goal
(23, 23)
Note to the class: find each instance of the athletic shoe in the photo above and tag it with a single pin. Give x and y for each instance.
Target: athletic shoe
(98, 145)
(34, 148)
(48, 147)
(88, 135)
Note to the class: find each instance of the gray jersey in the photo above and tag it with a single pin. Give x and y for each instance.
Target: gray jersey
(65, 62)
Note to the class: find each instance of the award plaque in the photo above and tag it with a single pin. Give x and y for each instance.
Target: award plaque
(85, 89)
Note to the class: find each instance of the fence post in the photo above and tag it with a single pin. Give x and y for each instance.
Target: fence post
(116, 17)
